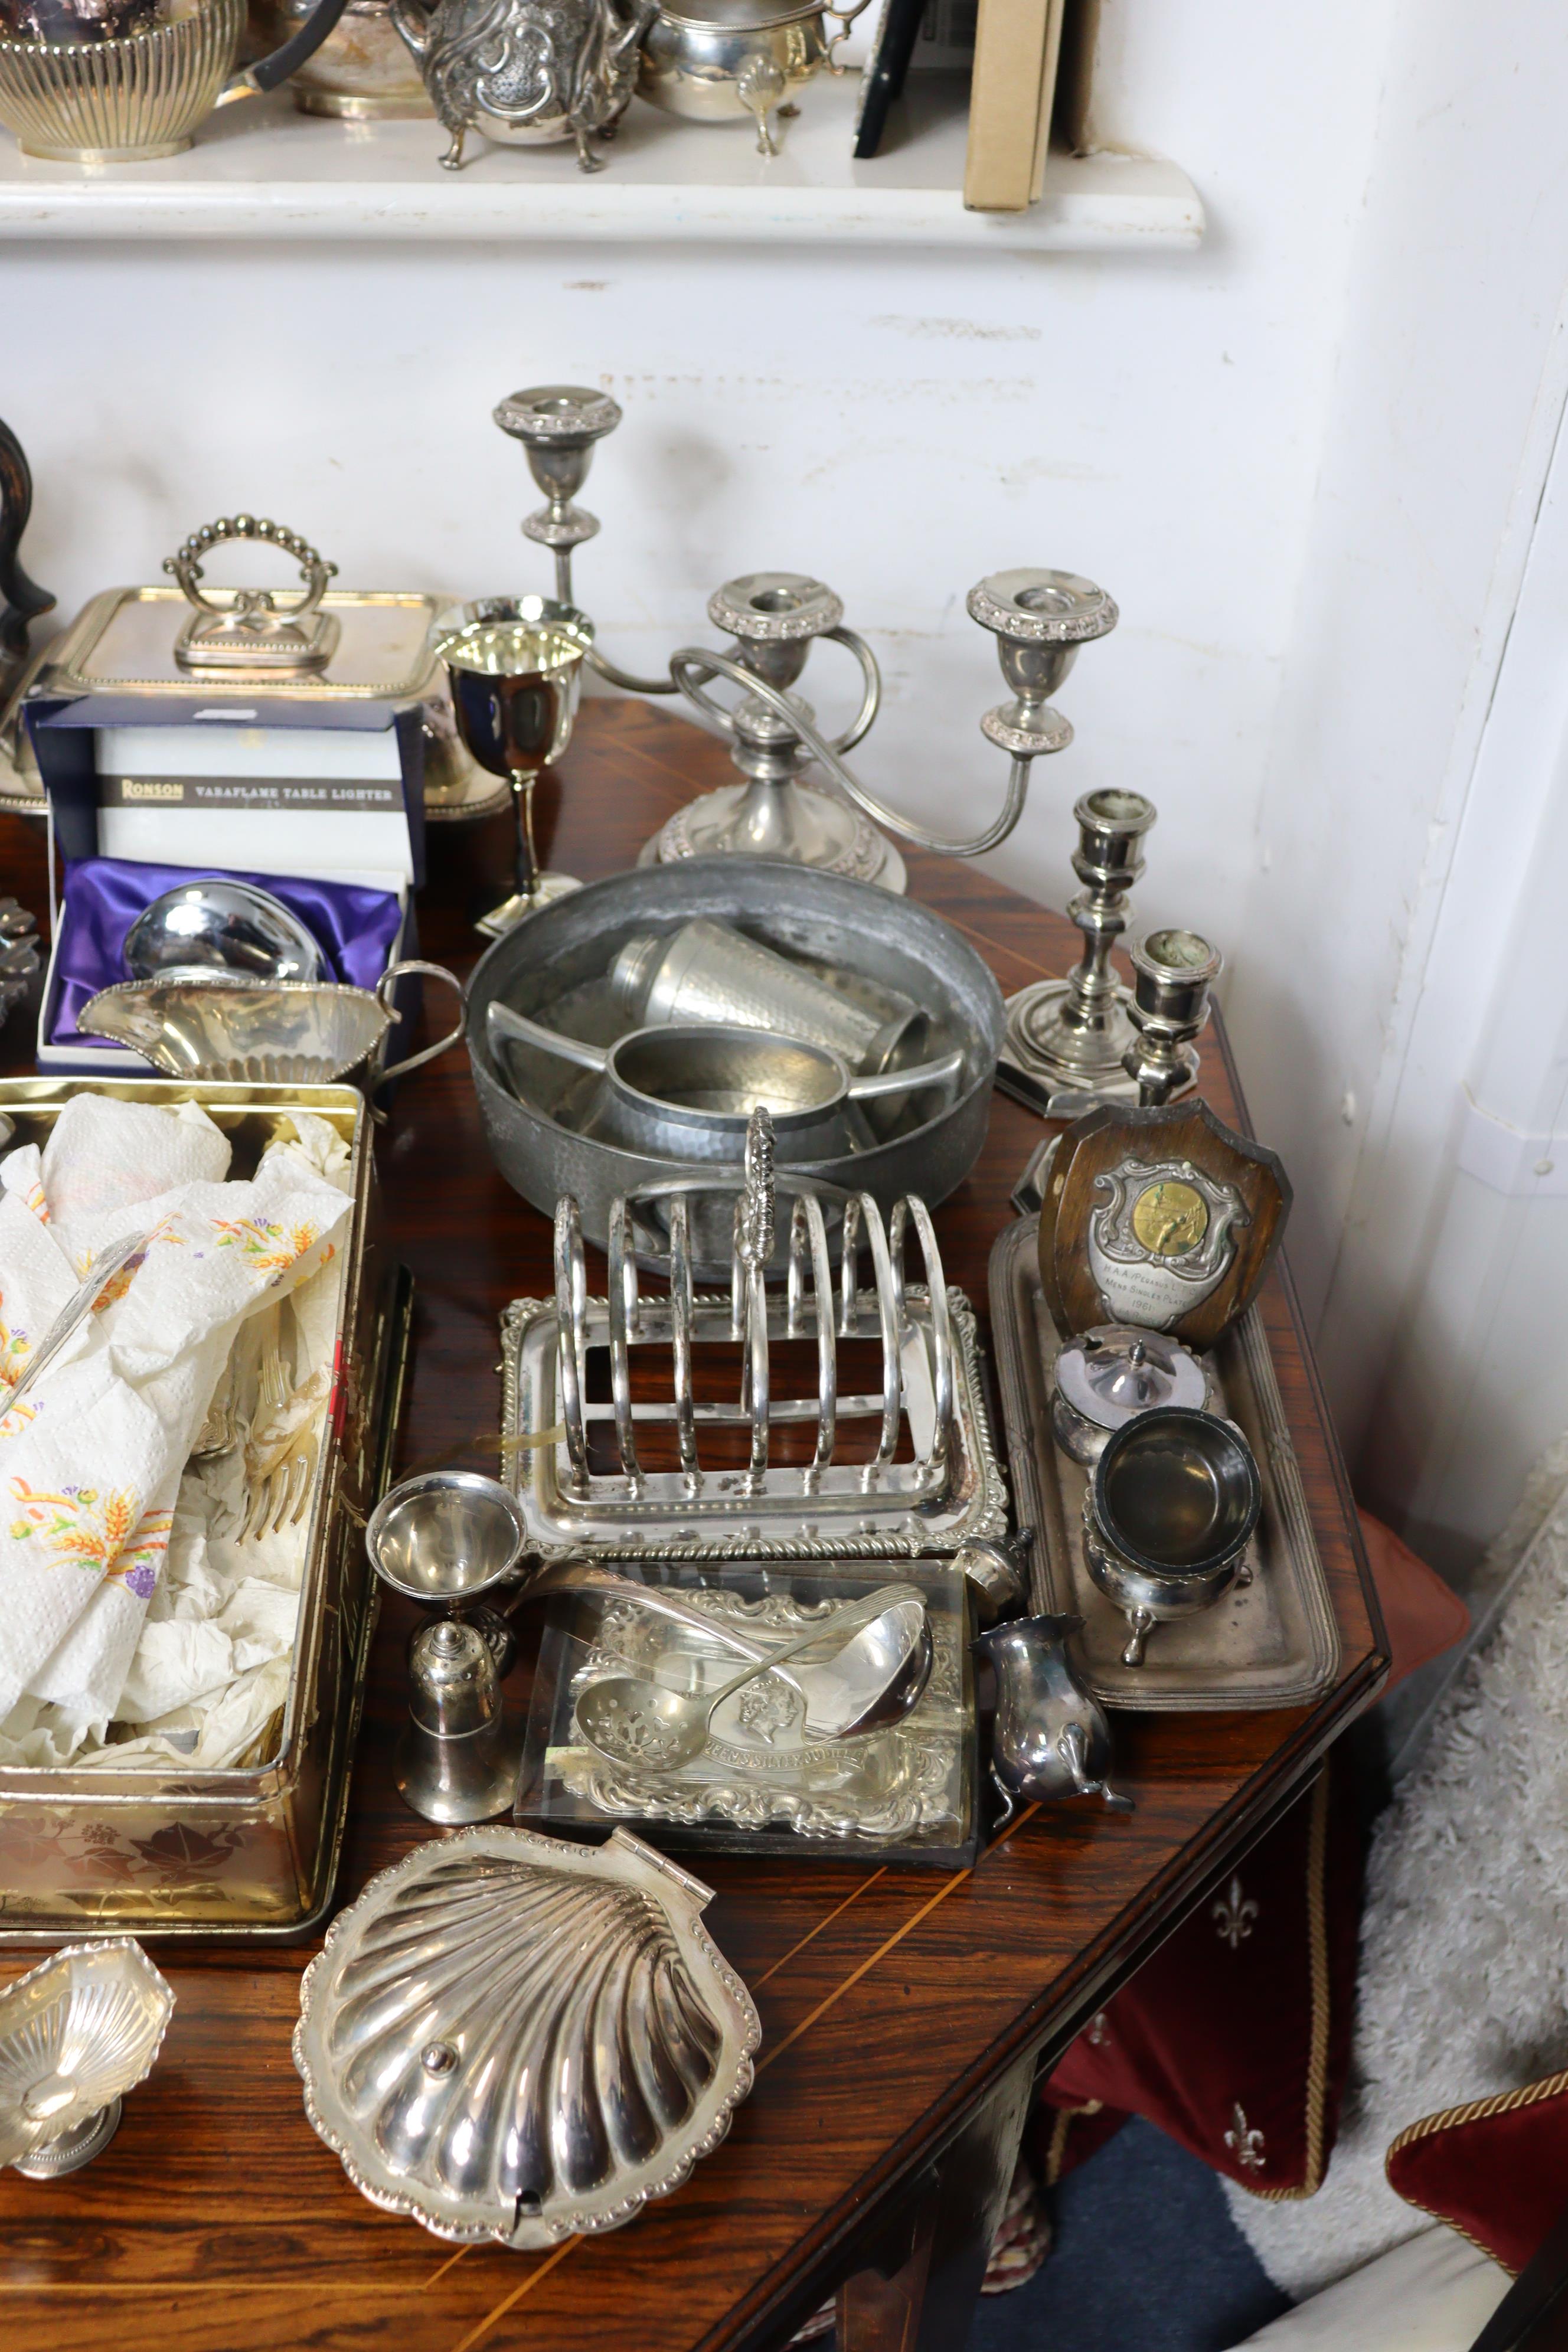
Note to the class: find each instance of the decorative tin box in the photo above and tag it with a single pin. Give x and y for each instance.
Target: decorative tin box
(250, 1852)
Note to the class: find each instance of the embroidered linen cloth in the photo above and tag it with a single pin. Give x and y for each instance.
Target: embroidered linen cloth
(91, 1459)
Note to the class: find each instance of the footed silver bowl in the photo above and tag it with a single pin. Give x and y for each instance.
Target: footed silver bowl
(76, 2033)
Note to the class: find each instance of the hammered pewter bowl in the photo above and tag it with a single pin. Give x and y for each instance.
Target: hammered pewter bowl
(223, 926)
(76, 2033)
(513, 2038)
(884, 951)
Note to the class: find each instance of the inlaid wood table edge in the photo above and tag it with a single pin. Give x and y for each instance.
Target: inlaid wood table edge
(835, 1953)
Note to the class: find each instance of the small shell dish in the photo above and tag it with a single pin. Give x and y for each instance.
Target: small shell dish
(76, 2033)
(514, 2038)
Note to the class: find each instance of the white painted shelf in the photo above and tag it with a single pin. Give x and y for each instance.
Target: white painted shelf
(262, 171)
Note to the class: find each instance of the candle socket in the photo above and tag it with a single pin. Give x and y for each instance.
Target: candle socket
(1173, 972)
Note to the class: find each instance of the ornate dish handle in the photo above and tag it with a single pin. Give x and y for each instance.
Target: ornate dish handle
(186, 568)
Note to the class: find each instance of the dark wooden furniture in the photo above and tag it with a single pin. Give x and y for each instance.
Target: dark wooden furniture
(905, 2012)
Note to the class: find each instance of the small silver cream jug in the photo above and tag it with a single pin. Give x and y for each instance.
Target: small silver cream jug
(1050, 1738)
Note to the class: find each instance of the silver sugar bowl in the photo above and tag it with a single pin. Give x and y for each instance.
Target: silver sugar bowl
(527, 72)
(1168, 1515)
(1107, 1376)
(723, 60)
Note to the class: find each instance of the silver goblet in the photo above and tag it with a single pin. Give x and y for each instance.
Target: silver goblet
(515, 667)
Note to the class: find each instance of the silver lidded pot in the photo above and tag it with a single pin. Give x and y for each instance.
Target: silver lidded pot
(127, 81)
(1167, 1518)
(1106, 1376)
(722, 60)
(527, 72)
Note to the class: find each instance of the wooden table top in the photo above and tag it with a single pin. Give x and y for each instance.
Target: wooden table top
(891, 1999)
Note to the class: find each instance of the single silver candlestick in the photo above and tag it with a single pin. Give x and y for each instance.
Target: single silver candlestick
(1069, 1036)
(1173, 972)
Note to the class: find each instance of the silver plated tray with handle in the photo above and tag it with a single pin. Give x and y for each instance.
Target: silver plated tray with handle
(1269, 1642)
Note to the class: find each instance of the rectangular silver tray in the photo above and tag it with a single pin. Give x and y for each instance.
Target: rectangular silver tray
(846, 1517)
(1272, 1643)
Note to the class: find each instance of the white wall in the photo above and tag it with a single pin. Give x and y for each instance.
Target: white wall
(1301, 459)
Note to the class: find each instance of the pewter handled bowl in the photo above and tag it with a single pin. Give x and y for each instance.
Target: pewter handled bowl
(687, 1093)
(115, 81)
(1173, 1503)
(223, 927)
(555, 968)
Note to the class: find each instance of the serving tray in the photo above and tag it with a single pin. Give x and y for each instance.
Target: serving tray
(1270, 1642)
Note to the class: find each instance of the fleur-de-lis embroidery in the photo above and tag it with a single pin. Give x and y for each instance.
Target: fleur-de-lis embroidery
(1098, 2029)
(1236, 1913)
(1244, 2143)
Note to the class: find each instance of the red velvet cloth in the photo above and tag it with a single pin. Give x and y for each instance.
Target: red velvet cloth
(1496, 2170)
(1235, 2037)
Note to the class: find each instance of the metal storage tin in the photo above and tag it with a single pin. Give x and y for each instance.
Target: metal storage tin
(252, 1851)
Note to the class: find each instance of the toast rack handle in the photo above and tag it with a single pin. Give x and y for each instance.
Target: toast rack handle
(384, 988)
(187, 566)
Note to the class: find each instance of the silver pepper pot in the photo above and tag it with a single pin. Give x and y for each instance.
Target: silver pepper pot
(456, 1761)
(1050, 1738)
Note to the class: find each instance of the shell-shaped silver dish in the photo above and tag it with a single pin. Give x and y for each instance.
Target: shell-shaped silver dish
(250, 1033)
(76, 2033)
(514, 2038)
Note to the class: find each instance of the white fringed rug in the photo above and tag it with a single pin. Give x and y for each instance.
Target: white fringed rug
(1464, 1967)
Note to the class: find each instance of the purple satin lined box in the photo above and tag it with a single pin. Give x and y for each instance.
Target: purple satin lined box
(148, 792)
(356, 929)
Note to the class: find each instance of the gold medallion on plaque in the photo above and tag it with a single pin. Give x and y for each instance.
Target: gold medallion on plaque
(1170, 1217)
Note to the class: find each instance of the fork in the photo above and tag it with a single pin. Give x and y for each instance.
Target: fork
(280, 1461)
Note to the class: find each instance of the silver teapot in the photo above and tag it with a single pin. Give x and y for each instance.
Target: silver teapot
(526, 72)
(127, 81)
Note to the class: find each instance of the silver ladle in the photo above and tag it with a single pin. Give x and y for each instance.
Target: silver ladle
(634, 1721)
(830, 1712)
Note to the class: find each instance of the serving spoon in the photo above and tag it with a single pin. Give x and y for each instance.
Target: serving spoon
(874, 1678)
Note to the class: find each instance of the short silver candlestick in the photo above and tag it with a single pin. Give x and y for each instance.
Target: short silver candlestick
(1173, 975)
(558, 426)
(1069, 1037)
(772, 620)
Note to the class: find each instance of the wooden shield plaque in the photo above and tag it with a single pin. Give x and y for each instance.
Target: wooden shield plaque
(1163, 1218)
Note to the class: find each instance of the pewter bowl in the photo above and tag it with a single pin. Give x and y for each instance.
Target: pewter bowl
(76, 2033)
(224, 926)
(513, 2038)
(883, 952)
